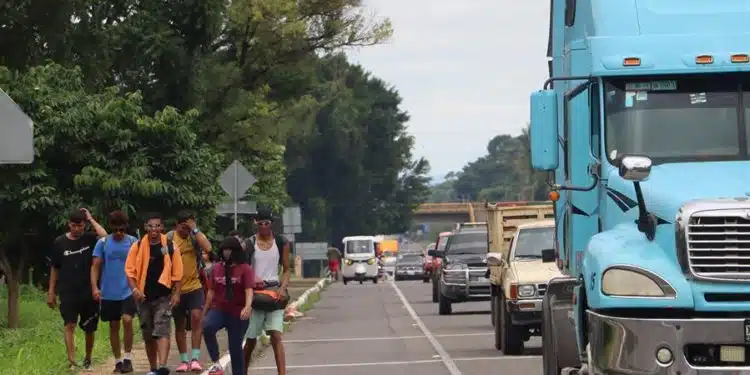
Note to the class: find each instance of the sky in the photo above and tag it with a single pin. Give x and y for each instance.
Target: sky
(464, 68)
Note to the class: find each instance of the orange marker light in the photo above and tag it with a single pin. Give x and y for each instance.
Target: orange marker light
(631, 61)
(740, 58)
(554, 195)
(704, 59)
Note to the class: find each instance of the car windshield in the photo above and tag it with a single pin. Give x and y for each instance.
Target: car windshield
(530, 242)
(359, 246)
(442, 242)
(410, 259)
(683, 118)
(468, 243)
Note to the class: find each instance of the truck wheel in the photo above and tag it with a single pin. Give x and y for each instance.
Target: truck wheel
(493, 310)
(344, 280)
(512, 340)
(434, 291)
(374, 280)
(426, 279)
(444, 305)
(496, 302)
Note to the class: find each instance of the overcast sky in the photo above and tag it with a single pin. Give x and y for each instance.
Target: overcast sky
(464, 68)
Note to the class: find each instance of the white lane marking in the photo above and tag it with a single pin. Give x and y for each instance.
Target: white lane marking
(362, 364)
(444, 356)
(385, 338)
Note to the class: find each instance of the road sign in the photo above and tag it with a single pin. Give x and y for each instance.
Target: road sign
(292, 220)
(236, 180)
(16, 133)
(243, 207)
(312, 250)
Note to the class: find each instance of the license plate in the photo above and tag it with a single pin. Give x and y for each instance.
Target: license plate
(410, 272)
(734, 354)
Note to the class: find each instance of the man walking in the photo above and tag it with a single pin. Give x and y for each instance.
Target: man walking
(109, 286)
(69, 276)
(154, 271)
(265, 252)
(188, 314)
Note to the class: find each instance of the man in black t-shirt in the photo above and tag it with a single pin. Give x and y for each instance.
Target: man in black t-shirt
(70, 277)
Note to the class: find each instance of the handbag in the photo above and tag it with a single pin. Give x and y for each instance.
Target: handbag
(270, 298)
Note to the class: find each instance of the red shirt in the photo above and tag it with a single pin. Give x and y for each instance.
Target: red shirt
(242, 278)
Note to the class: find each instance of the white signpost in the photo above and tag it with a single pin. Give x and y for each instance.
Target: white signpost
(236, 180)
(16, 133)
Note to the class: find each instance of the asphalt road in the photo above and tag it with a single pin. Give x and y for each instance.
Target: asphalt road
(394, 328)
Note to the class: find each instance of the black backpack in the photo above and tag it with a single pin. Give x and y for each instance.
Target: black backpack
(250, 248)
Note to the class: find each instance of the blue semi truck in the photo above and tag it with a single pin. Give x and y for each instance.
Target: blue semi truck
(644, 128)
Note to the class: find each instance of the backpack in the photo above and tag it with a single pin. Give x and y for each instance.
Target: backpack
(250, 248)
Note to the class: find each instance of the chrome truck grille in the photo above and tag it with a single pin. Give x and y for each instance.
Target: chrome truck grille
(717, 242)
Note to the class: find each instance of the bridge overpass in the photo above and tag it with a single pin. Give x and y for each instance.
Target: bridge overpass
(443, 215)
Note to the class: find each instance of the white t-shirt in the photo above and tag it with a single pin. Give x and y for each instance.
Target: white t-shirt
(266, 262)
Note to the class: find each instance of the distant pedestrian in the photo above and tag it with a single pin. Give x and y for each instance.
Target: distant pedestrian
(188, 314)
(70, 276)
(209, 260)
(334, 260)
(266, 252)
(109, 286)
(228, 305)
(154, 270)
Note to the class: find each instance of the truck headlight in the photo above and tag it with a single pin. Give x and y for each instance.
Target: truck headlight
(526, 291)
(348, 262)
(455, 266)
(371, 261)
(629, 282)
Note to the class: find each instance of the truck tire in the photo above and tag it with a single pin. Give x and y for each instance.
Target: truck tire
(444, 305)
(344, 280)
(434, 291)
(496, 301)
(493, 309)
(512, 340)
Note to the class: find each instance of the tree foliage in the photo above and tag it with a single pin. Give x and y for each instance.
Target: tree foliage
(503, 174)
(139, 105)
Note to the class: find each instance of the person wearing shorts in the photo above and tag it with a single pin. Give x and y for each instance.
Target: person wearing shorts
(71, 258)
(188, 314)
(266, 257)
(109, 286)
(154, 271)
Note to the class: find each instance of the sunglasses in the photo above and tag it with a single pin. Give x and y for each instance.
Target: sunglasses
(120, 229)
(264, 223)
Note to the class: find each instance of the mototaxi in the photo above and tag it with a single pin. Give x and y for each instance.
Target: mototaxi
(360, 261)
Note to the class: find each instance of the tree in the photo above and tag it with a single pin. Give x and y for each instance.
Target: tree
(100, 151)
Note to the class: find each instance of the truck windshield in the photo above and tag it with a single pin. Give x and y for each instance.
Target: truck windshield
(468, 243)
(674, 119)
(530, 242)
(442, 242)
(359, 247)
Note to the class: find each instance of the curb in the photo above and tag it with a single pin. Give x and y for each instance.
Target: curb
(263, 340)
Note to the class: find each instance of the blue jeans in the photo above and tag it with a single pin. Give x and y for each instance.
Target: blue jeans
(236, 327)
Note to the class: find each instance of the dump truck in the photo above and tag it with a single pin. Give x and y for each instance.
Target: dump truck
(503, 220)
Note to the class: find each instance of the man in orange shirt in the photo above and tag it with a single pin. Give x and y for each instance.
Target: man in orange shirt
(154, 272)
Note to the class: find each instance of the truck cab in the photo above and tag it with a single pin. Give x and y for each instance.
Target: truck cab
(643, 127)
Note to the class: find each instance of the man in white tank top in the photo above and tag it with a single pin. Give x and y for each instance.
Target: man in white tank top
(269, 252)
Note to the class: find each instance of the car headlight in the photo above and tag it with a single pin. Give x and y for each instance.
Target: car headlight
(526, 291)
(371, 261)
(348, 262)
(621, 282)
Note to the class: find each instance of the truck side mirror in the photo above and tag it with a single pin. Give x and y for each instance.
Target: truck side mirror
(548, 255)
(634, 167)
(435, 253)
(543, 130)
(495, 259)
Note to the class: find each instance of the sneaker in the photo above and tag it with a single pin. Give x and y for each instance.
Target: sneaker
(118, 368)
(127, 366)
(152, 372)
(163, 370)
(183, 367)
(87, 367)
(195, 366)
(72, 366)
(215, 369)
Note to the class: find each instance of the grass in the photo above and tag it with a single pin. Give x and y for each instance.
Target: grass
(38, 347)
